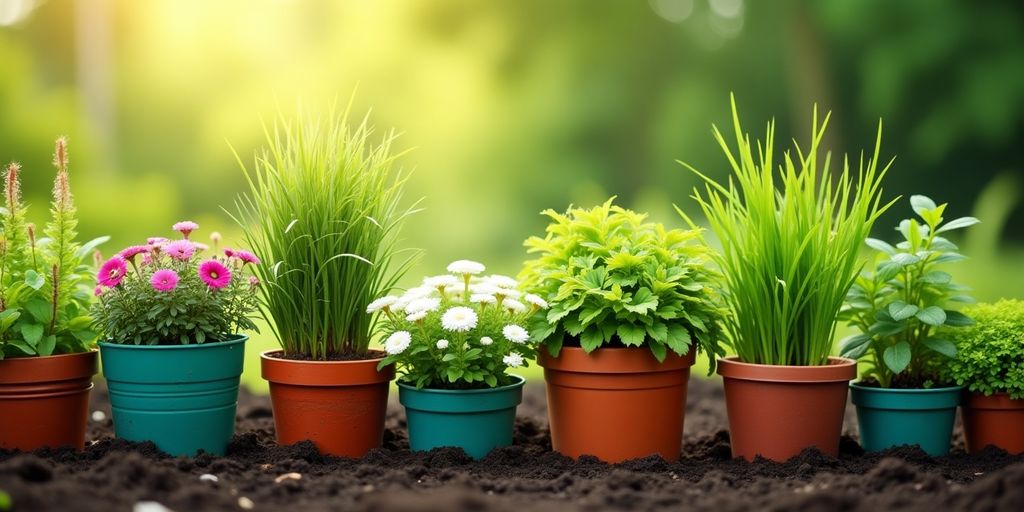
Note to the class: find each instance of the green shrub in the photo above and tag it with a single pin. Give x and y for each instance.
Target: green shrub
(612, 279)
(990, 353)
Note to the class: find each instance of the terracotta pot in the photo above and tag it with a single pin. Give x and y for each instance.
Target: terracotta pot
(44, 401)
(996, 420)
(616, 403)
(778, 411)
(338, 405)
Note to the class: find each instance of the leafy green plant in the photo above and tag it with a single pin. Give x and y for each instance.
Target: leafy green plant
(323, 213)
(899, 305)
(789, 242)
(166, 293)
(614, 280)
(44, 282)
(458, 331)
(990, 353)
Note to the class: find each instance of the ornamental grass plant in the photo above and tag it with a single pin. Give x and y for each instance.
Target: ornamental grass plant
(323, 212)
(790, 239)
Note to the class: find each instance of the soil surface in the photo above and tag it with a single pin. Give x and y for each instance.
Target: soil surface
(114, 475)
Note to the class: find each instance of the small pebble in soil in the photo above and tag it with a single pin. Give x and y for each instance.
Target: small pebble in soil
(208, 478)
(245, 503)
(287, 476)
(99, 416)
(150, 506)
(368, 488)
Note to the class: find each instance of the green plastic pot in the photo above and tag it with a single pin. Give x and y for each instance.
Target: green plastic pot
(897, 417)
(476, 420)
(180, 397)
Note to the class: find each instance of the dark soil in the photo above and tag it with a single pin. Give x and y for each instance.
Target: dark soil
(114, 475)
(367, 356)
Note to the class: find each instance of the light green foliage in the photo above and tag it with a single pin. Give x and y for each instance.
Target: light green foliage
(323, 214)
(613, 279)
(990, 353)
(789, 242)
(899, 306)
(44, 282)
(440, 354)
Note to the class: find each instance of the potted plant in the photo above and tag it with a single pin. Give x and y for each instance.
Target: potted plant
(902, 398)
(47, 358)
(989, 362)
(452, 341)
(324, 214)
(631, 304)
(172, 348)
(790, 244)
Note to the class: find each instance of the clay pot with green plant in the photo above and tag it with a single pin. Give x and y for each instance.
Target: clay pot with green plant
(171, 318)
(790, 240)
(453, 340)
(323, 213)
(47, 358)
(989, 363)
(631, 303)
(903, 397)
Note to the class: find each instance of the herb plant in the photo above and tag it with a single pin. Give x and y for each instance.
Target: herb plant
(165, 293)
(990, 353)
(458, 331)
(789, 242)
(44, 281)
(899, 306)
(323, 212)
(614, 280)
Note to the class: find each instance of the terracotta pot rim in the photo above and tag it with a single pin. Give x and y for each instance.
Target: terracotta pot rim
(520, 381)
(996, 401)
(235, 339)
(840, 369)
(616, 360)
(267, 355)
(357, 372)
(59, 367)
(903, 391)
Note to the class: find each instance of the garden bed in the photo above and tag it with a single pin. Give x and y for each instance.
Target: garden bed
(115, 475)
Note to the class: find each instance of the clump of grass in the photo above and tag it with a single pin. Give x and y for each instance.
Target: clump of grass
(790, 242)
(323, 213)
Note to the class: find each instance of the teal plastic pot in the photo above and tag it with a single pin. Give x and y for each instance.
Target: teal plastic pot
(181, 397)
(897, 417)
(476, 420)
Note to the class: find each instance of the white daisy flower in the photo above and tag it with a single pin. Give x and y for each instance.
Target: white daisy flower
(536, 300)
(425, 304)
(381, 303)
(486, 340)
(480, 298)
(513, 360)
(459, 319)
(515, 334)
(483, 289)
(442, 344)
(501, 281)
(417, 316)
(397, 342)
(466, 267)
(508, 292)
(513, 305)
(411, 295)
(445, 281)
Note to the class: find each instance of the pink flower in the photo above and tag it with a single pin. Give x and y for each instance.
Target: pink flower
(244, 256)
(185, 227)
(164, 280)
(98, 290)
(157, 241)
(112, 272)
(254, 281)
(147, 259)
(200, 246)
(230, 253)
(214, 274)
(180, 249)
(130, 253)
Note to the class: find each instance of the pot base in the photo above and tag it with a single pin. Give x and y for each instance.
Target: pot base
(995, 420)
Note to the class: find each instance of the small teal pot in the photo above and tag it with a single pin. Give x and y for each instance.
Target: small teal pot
(897, 417)
(181, 397)
(476, 420)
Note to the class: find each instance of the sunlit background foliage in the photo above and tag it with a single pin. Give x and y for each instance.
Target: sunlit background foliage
(514, 107)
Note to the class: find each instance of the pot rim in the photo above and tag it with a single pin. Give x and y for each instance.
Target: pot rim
(1000, 401)
(903, 391)
(840, 369)
(235, 339)
(519, 383)
(266, 354)
(614, 360)
(58, 367)
(293, 372)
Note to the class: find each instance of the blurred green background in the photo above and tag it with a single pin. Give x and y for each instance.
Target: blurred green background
(514, 107)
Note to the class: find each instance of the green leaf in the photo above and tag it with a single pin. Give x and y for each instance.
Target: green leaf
(962, 222)
(879, 245)
(905, 259)
(944, 347)
(658, 349)
(854, 346)
(957, 319)
(642, 302)
(884, 329)
(591, 338)
(40, 309)
(46, 345)
(897, 357)
(658, 331)
(34, 280)
(22, 346)
(631, 335)
(8, 317)
(932, 315)
(887, 270)
(921, 204)
(936, 277)
(679, 339)
(900, 310)
(32, 333)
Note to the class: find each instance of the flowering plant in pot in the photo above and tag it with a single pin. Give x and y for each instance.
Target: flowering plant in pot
(631, 304)
(453, 340)
(47, 358)
(989, 363)
(171, 320)
(323, 213)
(790, 242)
(902, 397)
